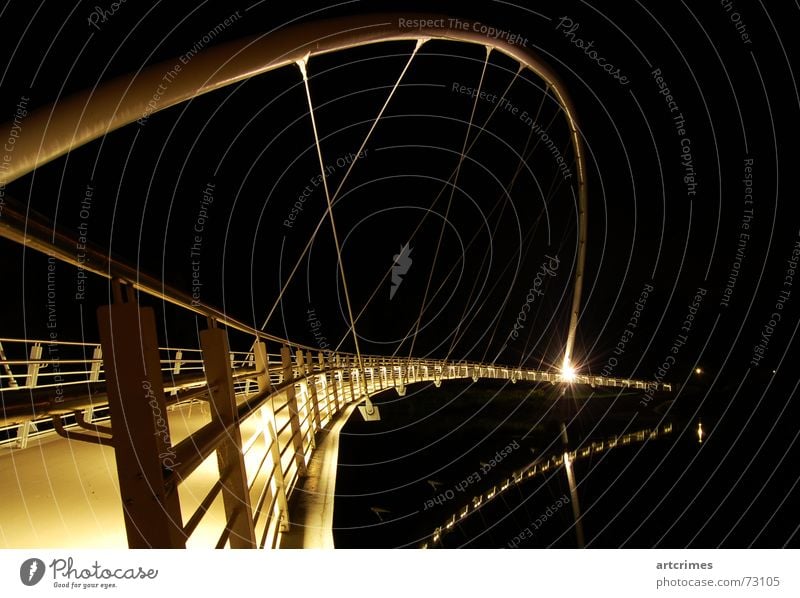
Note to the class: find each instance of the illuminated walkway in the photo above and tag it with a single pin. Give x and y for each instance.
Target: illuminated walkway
(62, 492)
(311, 513)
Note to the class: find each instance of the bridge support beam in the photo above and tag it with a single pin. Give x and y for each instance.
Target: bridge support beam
(235, 493)
(141, 439)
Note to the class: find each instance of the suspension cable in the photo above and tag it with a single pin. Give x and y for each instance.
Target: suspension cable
(523, 157)
(302, 64)
(436, 200)
(450, 201)
(299, 261)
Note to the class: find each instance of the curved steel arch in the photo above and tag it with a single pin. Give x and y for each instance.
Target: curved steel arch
(53, 131)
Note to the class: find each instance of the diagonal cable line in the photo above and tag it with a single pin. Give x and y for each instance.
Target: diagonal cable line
(552, 120)
(527, 241)
(362, 379)
(510, 187)
(449, 202)
(299, 261)
(435, 201)
(552, 190)
(439, 195)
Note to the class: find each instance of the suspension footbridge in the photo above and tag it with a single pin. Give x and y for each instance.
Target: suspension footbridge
(231, 441)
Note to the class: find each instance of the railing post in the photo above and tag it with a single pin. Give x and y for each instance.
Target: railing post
(350, 369)
(326, 390)
(142, 446)
(400, 386)
(305, 392)
(312, 386)
(262, 364)
(97, 356)
(294, 416)
(278, 480)
(333, 362)
(235, 493)
(176, 369)
(23, 433)
(299, 362)
(34, 365)
(341, 366)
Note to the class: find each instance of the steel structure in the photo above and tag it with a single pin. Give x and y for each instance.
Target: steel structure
(53, 131)
(267, 406)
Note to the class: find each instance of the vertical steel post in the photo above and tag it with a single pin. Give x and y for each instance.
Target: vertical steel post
(94, 372)
(34, 365)
(235, 493)
(326, 388)
(262, 365)
(294, 415)
(312, 386)
(334, 364)
(351, 369)
(142, 444)
(305, 408)
(278, 479)
(23, 434)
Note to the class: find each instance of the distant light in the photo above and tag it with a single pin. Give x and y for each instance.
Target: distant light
(567, 373)
(699, 431)
(698, 371)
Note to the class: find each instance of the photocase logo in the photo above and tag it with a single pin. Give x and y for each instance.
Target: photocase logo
(31, 572)
(402, 262)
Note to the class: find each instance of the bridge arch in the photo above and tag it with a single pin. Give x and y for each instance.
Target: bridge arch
(52, 131)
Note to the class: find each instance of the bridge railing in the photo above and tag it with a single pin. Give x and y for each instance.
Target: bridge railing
(280, 423)
(145, 389)
(281, 399)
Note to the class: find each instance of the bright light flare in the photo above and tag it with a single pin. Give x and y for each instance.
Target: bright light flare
(699, 432)
(567, 373)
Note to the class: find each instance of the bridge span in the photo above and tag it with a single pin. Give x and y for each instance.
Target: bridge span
(272, 428)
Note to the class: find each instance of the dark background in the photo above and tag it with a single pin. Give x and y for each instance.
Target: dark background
(254, 142)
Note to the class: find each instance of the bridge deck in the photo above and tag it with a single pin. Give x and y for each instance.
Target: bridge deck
(311, 507)
(58, 492)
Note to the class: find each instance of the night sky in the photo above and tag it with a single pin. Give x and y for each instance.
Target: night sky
(693, 241)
